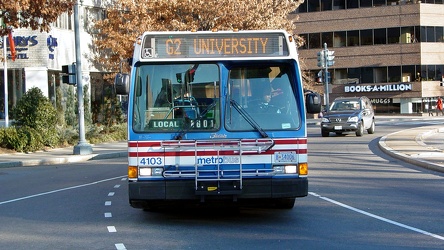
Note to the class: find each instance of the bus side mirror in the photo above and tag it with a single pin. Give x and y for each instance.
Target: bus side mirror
(313, 103)
(122, 84)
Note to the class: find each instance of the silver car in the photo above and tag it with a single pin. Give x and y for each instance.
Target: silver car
(349, 114)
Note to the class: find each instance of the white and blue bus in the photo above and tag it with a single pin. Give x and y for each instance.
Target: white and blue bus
(216, 116)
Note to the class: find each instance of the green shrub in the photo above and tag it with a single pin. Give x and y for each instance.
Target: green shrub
(14, 139)
(35, 114)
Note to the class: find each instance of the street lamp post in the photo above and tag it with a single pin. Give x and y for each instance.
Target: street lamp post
(83, 147)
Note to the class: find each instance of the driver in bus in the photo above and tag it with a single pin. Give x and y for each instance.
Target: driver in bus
(265, 105)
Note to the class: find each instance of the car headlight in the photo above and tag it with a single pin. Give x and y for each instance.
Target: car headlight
(325, 119)
(353, 119)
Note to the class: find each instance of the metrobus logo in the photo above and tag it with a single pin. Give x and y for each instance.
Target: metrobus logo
(218, 160)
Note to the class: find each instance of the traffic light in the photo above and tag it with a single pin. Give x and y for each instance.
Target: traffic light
(321, 59)
(330, 58)
(69, 74)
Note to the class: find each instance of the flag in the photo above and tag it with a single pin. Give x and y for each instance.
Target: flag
(12, 46)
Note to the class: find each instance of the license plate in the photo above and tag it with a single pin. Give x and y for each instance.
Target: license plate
(338, 127)
(286, 157)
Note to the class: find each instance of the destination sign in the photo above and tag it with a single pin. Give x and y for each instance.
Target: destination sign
(210, 45)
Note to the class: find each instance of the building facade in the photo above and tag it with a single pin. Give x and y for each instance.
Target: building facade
(40, 56)
(390, 51)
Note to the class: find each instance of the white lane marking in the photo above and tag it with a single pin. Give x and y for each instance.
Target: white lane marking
(120, 246)
(107, 203)
(58, 190)
(378, 217)
(123, 179)
(116, 186)
(111, 229)
(108, 215)
(111, 194)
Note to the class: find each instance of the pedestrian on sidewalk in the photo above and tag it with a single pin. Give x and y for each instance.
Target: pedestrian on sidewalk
(439, 106)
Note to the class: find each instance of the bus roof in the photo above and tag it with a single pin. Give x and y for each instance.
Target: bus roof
(220, 45)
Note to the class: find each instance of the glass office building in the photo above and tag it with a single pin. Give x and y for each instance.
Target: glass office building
(391, 51)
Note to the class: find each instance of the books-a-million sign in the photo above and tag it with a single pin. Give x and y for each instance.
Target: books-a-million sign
(378, 88)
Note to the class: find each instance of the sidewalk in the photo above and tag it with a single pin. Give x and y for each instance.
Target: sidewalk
(422, 146)
(63, 155)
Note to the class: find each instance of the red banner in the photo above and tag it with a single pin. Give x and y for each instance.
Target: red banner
(12, 45)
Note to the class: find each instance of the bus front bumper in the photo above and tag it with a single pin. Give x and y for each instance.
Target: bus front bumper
(172, 190)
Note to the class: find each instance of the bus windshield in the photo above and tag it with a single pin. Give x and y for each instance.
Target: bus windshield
(261, 98)
(170, 97)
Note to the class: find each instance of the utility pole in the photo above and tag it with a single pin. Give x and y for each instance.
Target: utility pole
(83, 147)
(5, 76)
(326, 59)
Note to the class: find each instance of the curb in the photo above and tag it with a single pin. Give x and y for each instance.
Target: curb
(62, 160)
(403, 157)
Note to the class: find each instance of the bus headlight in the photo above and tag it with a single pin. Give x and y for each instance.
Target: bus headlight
(287, 169)
(147, 171)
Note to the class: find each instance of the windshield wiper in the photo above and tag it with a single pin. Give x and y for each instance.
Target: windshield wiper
(186, 128)
(248, 118)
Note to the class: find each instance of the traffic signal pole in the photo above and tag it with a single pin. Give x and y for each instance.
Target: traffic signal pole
(83, 147)
(327, 93)
(325, 59)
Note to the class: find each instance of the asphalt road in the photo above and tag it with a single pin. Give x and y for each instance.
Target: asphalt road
(358, 198)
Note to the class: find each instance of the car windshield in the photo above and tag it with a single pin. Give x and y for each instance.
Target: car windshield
(345, 105)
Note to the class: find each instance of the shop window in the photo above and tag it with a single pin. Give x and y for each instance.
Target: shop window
(407, 35)
(302, 8)
(378, 2)
(339, 39)
(354, 73)
(430, 30)
(393, 35)
(394, 74)
(423, 75)
(423, 33)
(305, 37)
(353, 38)
(367, 75)
(340, 76)
(380, 36)
(313, 5)
(366, 37)
(365, 3)
(439, 34)
(408, 73)
(338, 4)
(352, 4)
(417, 34)
(380, 74)
(326, 5)
(314, 41)
(439, 72)
(431, 73)
(392, 2)
(327, 37)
